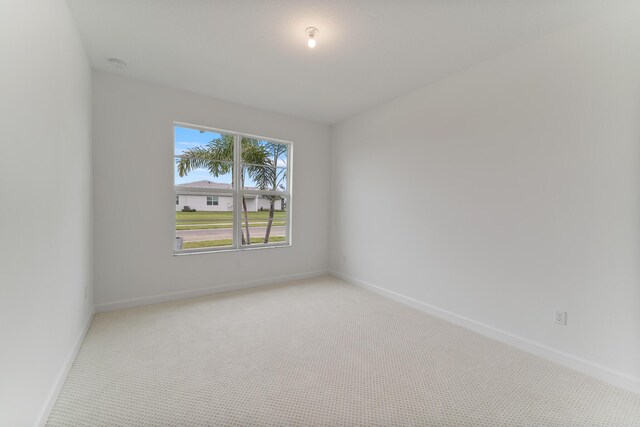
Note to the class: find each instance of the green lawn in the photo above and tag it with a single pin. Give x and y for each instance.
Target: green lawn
(226, 242)
(209, 220)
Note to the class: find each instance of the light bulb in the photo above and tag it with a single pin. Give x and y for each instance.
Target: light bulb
(311, 33)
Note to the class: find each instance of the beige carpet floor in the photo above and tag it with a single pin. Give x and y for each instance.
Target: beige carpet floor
(317, 352)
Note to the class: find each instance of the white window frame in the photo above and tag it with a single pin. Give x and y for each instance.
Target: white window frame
(238, 193)
(214, 202)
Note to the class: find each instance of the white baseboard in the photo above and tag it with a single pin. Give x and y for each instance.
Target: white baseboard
(592, 369)
(55, 391)
(135, 302)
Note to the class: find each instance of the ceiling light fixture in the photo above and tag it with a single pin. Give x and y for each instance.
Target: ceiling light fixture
(311, 32)
(117, 63)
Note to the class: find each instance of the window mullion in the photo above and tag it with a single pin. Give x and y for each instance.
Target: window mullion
(237, 204)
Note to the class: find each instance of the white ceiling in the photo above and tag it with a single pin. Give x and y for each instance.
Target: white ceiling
(254, 52)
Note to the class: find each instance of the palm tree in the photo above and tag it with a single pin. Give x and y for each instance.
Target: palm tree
(217, 158)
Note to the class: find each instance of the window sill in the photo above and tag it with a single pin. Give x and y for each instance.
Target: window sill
(210, 251)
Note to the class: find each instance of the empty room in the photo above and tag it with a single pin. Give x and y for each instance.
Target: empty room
(320, 213)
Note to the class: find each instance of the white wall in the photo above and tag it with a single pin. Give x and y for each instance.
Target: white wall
(264, 203)
(516, 187)
(45, 213)
(133, 158)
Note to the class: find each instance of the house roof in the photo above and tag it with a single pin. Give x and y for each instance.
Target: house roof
(204, 184)
(196, 187)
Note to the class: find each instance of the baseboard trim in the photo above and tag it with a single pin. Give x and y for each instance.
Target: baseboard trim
(589, 368)
(135, 302)
(62, 376)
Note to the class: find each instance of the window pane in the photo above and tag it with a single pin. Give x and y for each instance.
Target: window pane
(264, 178)
(200, 223)
(258, 210)
(202, 156)
(264, 164)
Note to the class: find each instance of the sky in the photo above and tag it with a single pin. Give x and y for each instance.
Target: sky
(186, 138)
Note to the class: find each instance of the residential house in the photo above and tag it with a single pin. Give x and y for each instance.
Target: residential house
(198, 195)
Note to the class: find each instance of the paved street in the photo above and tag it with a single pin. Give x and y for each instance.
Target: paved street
(225, 233)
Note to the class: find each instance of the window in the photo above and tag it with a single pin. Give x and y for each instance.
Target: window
(233, 191)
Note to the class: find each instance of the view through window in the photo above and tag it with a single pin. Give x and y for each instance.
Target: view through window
(232, 190)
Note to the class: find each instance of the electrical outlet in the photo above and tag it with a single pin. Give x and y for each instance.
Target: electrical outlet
(560, 317)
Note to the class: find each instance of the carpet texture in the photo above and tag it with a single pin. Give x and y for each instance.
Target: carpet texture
(317, 352)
